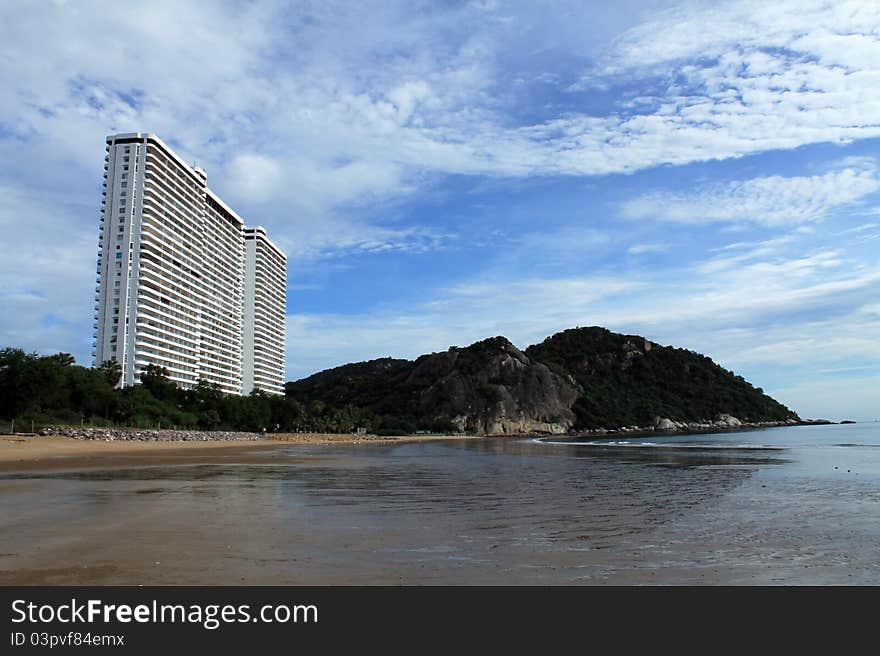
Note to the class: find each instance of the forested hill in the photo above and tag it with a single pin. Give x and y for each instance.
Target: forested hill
(575, 380)
(627, 379)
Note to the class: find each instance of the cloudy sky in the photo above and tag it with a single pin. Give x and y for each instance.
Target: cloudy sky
(706, 174)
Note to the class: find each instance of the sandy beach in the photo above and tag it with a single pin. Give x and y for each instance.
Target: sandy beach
(51, 453)
(348, 510)
(43, 457)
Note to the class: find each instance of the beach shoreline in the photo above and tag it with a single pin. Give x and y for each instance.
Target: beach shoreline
(25, 452)
(72, 448)
(22, 453)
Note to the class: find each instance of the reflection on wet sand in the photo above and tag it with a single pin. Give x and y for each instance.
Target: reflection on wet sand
(469, 512)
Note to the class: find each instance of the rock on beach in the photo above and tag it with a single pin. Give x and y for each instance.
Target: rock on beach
(119, 434)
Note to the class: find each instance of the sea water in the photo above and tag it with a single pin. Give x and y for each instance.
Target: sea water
(793, 505)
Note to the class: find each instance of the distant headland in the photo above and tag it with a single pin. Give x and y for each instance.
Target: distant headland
(582, 380)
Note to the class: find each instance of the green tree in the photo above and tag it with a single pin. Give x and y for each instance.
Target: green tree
(111, 371)
(91, 395)
(155, 379)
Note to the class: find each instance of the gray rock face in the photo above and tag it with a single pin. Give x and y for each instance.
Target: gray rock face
(726, 420)
(506, 393)
(662, 424)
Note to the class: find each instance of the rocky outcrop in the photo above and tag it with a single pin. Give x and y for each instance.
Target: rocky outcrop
(727, 421)
(662, 423)
(665, 425)
(579, 380)
(488, 388)
(494, 388)
(118, 434)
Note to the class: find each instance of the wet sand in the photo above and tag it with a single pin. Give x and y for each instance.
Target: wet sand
(429, 512)
(19, 454)
(36, 454)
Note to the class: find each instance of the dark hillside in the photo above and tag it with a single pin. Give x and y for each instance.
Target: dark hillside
(628, 380)
(575, 380)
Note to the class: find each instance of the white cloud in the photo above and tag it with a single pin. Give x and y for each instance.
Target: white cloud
(771, 201)
(639, 249)
(766, 250)
(839, 33)
(735, 78)
(340, 238)
(255, 176)
(335, 104)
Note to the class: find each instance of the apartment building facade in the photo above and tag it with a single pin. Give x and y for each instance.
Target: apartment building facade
(172, 275)
(264, 313)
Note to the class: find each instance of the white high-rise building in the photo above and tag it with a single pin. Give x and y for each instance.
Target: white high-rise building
(172, 276)
(265, 270)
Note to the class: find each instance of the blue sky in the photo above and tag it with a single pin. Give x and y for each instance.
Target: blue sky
(703, 173)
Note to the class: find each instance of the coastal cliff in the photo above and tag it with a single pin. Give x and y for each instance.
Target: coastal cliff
(490, 387)
(579, 380)
(493, 387)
